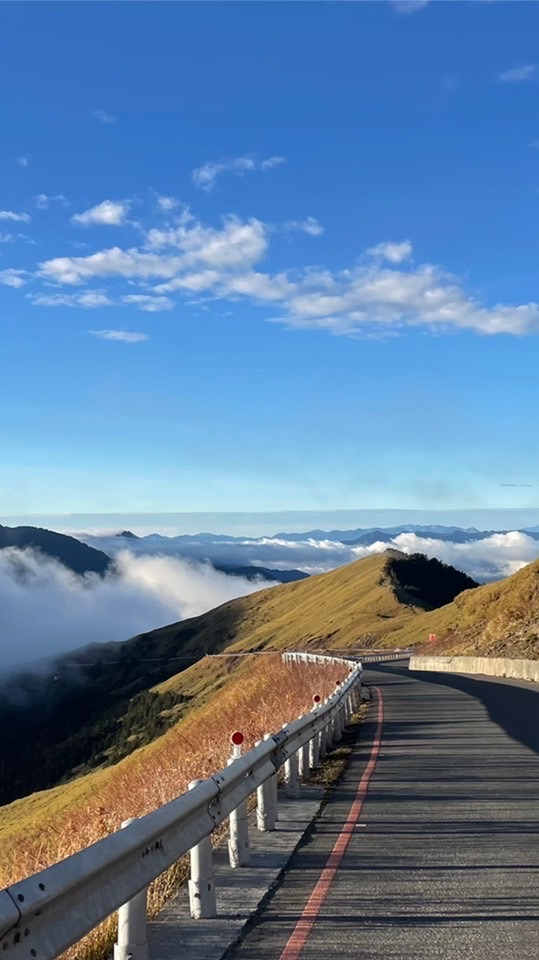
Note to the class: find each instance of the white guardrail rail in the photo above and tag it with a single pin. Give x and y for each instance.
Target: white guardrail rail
(42, 916)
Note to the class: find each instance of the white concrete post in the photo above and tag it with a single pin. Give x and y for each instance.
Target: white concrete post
(291, 777)
(338, 725)
(266, 803)
(274, 780)
(132, 942)
(239, 850)
(202, 900)
(314, 744)
(323, 741)
(330, 733)
(303, 765)
(322, 744)
(339, 719)
(301, 760)
(314, 752)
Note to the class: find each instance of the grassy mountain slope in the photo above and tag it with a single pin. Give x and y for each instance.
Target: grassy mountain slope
(498, 620)
(202, 681)
(98, 705)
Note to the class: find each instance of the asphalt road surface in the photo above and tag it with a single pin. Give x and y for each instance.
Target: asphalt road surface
(437, 855)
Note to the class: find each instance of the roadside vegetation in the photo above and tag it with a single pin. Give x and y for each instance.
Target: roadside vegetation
(256, 694)
(101, 703)
(496, 620)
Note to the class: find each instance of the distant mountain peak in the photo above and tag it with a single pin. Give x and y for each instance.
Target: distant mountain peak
(72, 553)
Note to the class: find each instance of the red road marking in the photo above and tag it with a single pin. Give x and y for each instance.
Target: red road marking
(298, 938)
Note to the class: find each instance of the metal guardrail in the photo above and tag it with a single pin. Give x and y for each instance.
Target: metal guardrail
(382, 657)
(361, 659)
(46, 913)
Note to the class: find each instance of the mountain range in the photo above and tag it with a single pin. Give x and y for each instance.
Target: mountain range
(92, 707)
(81, 558)
(88, 708)
(364, 535)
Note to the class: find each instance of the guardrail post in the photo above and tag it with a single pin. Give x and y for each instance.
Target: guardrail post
(303, 759)
(202, 900)
(274, 781)
(323, 740)
(291, 777)
(339, 716)
(339, 724)
(322, 743)
(239, 850)
(330, 733)
(314, 752)
(303, 764)
(314, 743)
(266, 801)
(132, 942)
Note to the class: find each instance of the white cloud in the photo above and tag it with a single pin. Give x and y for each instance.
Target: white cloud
(94, 298)
(103, 116)
(373, 297)
(383, 292)
(499, 555)
(13, 278)
(206, 175)
(494, 557)
(393, 252)
(123, 336)
(236, 246)
(192, 282)
(43, 201)
(148, 303)
(22, 162)
(272, 162)
(409, 6)
(310, 226)
(108, 212)
(51, 610)
(15, 217)
(89, 299)
(167, 203)
(527, 71)
(260, 286)
(11, 237)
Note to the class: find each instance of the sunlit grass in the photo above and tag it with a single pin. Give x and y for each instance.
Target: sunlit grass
(253, 694)
(497, 620)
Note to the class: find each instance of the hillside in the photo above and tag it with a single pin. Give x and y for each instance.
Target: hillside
(75, 555)
(256, 694)
(97, 705)
(260, 573)
(498, 620)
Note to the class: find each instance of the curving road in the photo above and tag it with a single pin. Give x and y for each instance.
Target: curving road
(437, 855)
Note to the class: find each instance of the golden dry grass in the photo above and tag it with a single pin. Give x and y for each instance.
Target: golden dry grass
(254, 694)
(352, 606)
(497, 620)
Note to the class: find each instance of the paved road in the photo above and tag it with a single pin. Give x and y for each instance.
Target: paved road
(444, 862)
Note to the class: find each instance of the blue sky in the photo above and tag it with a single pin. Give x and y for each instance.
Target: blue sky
(269, 256)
